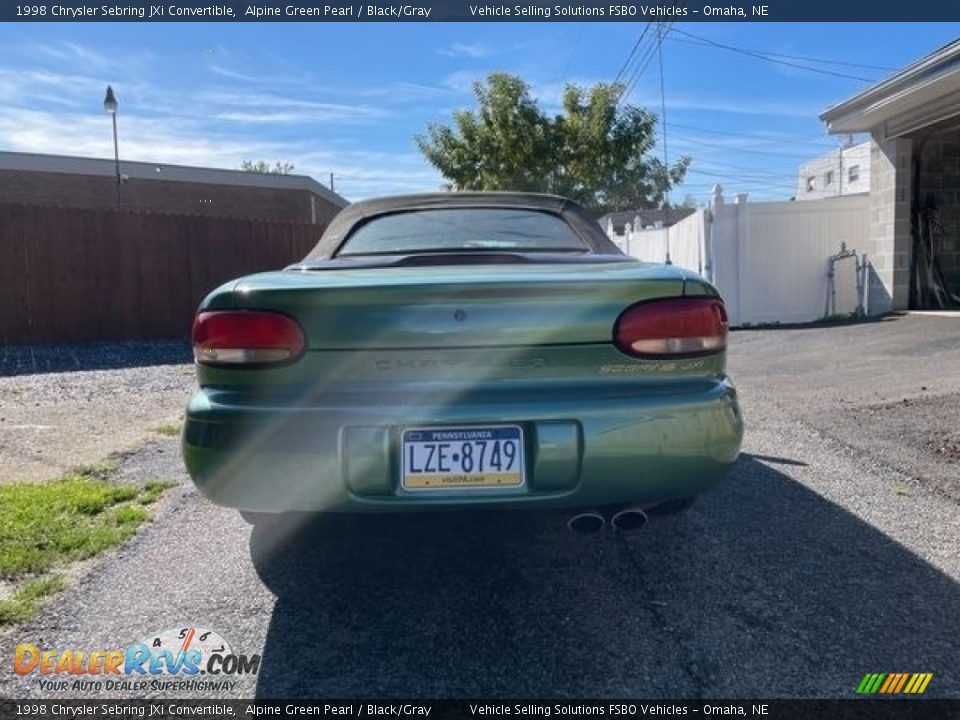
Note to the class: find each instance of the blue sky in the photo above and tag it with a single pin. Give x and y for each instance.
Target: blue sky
(348, 98)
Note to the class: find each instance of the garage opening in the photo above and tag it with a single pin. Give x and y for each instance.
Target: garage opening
(935, 219)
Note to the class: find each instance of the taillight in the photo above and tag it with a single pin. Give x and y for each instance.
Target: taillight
(676, 327)
(245, 337)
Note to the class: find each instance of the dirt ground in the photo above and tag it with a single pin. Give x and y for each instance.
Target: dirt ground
(61, 416)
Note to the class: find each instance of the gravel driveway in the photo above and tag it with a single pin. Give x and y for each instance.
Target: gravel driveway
(71, 405)
(831, 551)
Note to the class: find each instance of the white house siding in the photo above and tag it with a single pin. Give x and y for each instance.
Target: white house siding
(838, 164)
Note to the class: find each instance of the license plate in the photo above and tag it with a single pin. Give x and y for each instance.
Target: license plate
(472, 457)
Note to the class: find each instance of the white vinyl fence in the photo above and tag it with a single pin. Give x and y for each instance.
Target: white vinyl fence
(772, 262)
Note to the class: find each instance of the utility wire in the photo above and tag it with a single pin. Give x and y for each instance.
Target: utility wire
(756, 138)
(822, 61)
(641, 67)
(727, 166)
(633, 52)
(661, 33)
(769, 58)
(746, 178)
(573, 51)
(751, 151)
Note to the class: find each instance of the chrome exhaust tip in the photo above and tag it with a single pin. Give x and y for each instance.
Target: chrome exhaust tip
(586, 522)
(628, 519)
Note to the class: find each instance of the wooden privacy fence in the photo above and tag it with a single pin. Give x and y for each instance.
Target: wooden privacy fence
(74, 275)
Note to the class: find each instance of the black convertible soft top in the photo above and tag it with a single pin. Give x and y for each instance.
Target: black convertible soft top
(357, 213)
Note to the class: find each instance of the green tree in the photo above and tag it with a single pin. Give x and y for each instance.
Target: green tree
(262, 166)
(596, 151)
(689, 203)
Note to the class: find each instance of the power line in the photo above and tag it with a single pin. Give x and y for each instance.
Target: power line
(753, 137)
(742, 149)
(661, 33)
(633, 51)
(639, 69)
(653, 48)
(573, 51)
(705, 188)
(753, 170)
(745, 178)
(822, 61)
(771, 59)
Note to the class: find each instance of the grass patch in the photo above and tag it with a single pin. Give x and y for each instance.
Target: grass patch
(153, 490)
(168, 429)
(26, 600)
(59, 521)
(97, 471)
(44, 525)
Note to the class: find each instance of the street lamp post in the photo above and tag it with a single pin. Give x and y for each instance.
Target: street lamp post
(110, 105)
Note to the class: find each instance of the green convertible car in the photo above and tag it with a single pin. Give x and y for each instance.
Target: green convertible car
(481, 350)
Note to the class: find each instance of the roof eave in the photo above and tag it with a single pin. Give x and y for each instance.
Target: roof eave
(936, 75)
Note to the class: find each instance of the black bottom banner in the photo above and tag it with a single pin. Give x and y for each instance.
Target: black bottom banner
(913, 709)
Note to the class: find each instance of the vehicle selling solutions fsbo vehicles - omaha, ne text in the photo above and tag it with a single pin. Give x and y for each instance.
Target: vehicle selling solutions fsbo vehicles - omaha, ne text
(459, 350)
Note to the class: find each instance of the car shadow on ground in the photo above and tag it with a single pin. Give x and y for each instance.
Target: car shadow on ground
(836, 322)
(763, 589)
(38, 359)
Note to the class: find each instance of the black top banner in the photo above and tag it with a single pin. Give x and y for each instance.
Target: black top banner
(477, 11)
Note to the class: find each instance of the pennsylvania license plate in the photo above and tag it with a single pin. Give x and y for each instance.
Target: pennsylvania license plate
(470, 457)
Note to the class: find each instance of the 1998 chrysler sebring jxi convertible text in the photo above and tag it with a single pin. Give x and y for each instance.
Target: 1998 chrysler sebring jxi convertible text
(463, 350)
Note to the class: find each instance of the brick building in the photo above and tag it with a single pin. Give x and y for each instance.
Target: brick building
(157, 187)
(913, 119)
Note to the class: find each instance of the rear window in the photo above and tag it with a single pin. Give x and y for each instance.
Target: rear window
(462, 230)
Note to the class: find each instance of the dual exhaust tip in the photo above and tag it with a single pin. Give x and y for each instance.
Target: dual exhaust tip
(627, 519)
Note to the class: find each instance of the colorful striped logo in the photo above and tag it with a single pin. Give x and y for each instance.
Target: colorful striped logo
(894, 683)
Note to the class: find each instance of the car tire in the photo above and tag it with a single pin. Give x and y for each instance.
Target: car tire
(672, 507)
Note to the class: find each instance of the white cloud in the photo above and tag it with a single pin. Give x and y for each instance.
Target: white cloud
(474, 51)
(145, 139)
(401, 92)
(741, 106)
(234, 75)
(293, 117)
(51, 103)
(255, 66)
(462, 81)
(74, 53)
(188, 142)
(265, 108)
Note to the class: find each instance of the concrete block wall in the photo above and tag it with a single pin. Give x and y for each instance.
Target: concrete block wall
(890, 237)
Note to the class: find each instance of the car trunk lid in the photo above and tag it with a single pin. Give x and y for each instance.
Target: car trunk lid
(458, 306)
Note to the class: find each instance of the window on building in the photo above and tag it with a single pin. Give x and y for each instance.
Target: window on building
(828, 178)
(853, 174)
(810, 183)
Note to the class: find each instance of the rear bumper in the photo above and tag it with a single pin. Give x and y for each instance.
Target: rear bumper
(584, 447)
